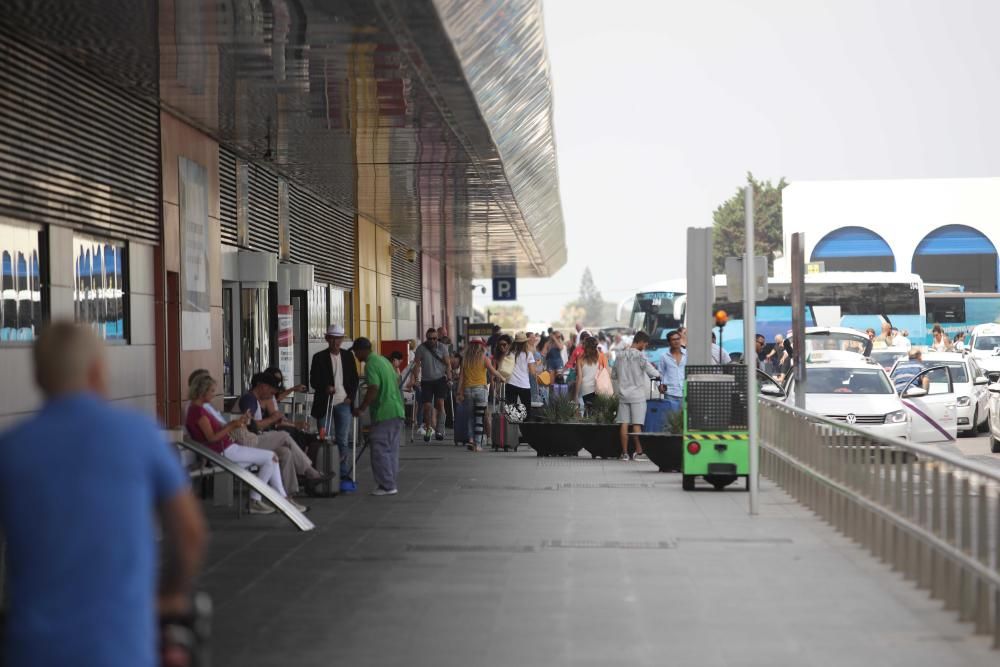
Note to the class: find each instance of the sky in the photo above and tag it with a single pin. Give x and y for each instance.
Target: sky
(662, 106)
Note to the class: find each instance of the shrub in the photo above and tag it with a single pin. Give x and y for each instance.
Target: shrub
(603, 410)
(559, 410)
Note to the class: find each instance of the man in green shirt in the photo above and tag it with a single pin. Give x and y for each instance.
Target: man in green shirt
(387, 412)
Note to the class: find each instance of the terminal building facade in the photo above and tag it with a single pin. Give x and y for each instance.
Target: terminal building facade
(945, 230)
(209, 185)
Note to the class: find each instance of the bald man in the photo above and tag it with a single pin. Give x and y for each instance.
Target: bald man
(80, 484)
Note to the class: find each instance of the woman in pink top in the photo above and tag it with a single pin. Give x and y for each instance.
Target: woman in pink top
(203, 427)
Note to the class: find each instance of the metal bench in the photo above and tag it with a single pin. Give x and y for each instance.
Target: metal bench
(243, 475)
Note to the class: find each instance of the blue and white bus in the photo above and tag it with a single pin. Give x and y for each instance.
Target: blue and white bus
(848, 299)
(958, 311)
(853, 299)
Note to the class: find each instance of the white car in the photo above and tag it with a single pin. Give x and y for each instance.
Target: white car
(994, 390)
(984, 347)
(846, 387)
(972, 400)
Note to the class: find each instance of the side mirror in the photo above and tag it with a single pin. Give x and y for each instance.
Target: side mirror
(914, 392)
(981, 380)
(775, 392)
(994, 388)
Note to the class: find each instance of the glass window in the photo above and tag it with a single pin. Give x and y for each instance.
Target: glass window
(337, 312)
(987, 342)
(255, 332)
(319, 311)
(99, 289)
(21, 308)
(848, 381)
(228, 383)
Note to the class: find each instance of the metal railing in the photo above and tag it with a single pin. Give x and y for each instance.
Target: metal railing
(932, 515)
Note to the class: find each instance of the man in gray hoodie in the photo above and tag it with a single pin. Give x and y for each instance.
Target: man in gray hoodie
(633, 371)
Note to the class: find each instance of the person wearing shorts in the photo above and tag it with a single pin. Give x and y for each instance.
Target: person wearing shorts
(633, 372)
(433, 363)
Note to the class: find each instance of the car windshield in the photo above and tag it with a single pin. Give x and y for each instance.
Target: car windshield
(887, 358)
(987, 342)
(835, 341)
(958, 372)
(847, 381)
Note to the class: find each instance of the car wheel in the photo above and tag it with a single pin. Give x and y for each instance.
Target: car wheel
(687, 482)
(985, 426)
(994, 445)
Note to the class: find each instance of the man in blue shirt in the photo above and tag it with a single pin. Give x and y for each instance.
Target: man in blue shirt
(671, 367)
(80, 483)
(905, 371)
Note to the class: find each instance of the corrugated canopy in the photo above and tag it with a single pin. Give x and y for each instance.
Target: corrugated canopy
(432, 118)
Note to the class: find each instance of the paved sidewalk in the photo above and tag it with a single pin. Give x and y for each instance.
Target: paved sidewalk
(494, 559)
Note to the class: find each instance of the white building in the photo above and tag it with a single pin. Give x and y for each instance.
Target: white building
(946, 230)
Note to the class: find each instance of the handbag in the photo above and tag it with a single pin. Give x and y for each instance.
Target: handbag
(506, 367)
(544, 378)
(605, 387)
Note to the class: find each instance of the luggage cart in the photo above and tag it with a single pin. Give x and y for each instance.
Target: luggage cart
(716, 440)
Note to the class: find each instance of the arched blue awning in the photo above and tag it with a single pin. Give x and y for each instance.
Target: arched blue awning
(851, 242)
(955, 240)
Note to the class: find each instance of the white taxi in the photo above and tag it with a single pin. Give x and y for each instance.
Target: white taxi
(972, 400)
(845, 386)
(984, 347)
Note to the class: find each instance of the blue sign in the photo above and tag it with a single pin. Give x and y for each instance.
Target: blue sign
(505, 289)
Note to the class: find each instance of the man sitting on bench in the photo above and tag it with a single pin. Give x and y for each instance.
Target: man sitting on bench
(292, 461)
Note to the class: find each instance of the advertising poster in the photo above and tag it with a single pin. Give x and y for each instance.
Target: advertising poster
(196, 319)
(286, 344)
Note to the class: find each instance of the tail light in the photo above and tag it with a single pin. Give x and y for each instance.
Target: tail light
(693, 448)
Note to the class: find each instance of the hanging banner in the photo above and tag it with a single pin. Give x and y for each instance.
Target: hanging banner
(196, 319)
(286, 345)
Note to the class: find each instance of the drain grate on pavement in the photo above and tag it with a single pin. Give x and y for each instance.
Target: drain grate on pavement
(605, 485)
(505, 487)
(736, 540)
(471, 548)
(607, 544)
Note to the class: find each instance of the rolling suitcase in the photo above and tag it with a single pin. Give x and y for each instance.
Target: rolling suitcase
(461, 427)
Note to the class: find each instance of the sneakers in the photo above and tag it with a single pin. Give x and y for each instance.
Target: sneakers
(640, 457)
(384, 492)
(259, 507)
(624, 457)
(300, 507)
(439, 436)
(427, 435)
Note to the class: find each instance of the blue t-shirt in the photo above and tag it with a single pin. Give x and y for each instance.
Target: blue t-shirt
(79, 482)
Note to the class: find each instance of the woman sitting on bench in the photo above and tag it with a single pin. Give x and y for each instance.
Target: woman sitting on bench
(203, 427)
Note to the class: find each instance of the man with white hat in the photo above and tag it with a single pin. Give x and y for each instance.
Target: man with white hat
(333, 375)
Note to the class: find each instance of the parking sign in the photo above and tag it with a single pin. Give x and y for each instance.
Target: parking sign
(505, 289)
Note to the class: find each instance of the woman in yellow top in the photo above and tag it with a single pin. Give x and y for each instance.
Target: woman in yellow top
(475, 370)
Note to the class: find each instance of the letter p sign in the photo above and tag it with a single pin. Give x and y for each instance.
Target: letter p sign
(505, 289)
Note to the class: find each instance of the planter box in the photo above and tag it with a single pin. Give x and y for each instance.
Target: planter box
(602, 441)
(665, 450)
(552, 439)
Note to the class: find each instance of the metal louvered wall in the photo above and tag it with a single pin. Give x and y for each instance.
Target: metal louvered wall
(262, 211)
(75, 150)
(227, 196)
(405, 275)
(322, 235)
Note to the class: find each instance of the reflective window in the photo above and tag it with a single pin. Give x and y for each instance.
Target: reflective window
(847, 381)
(319, 313)
(99, 291)
(987, 342)
(21, 308)
(338, 315)
(255, 332)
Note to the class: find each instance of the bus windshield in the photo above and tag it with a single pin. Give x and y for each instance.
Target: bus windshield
(657, 313)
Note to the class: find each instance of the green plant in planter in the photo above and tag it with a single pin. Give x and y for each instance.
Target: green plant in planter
(559, 410)
(675, 423)
(603, 410)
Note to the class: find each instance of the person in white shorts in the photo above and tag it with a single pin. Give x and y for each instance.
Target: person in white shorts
(633, 371)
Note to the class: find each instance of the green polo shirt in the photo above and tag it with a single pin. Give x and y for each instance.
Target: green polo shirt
(388, 403)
